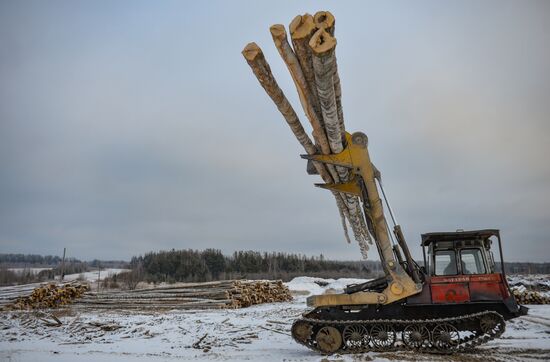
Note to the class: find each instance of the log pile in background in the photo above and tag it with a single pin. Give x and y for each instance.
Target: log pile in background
(247, 293)
(49, 296)
(530, 297)
(311, 61)
(524, 296)
(209, 295)
(530, 289)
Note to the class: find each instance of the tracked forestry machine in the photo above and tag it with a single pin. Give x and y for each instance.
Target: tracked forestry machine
(454, 302)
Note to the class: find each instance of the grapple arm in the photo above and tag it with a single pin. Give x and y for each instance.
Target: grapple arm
(400, 283)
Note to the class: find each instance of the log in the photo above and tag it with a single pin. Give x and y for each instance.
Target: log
(323, 47)
(278, 34)
(152, 306)
(344, 213)
(301, 30)
(338, 97)
(115, 296)
(256, 60)
(154, 301)
(202, 285)
(166, 292)
(325, 20)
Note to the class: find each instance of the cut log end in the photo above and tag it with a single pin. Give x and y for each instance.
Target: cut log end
(251, 51)
(278, 31)
(302, 26)
(322, 42)
(324, 20)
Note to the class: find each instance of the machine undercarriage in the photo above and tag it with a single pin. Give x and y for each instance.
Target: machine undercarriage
(319, 331)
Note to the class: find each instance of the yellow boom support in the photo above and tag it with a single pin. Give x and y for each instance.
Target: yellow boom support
(355, 156)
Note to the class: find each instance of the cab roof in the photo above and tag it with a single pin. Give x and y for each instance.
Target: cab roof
(429, 238)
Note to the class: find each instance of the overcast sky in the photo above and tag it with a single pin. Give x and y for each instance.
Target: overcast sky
(130, 126)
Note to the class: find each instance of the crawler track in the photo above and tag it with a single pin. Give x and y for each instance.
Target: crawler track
(438, 335)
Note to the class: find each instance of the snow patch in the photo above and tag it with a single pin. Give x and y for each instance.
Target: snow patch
(30, 270)
(93, 276)
(315, 286)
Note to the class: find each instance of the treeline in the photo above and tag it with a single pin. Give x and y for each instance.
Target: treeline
(527, 268)
(25, 268)
(36, 261)
(29, 259)
(212, 264)
(27, 275)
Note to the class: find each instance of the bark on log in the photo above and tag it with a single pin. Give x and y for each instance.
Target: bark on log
(344, 213)
(325, 20)
(338, 97)
(256, 60)
(324, 64)
(278, 34)
(302, 29)
(203, 285)
(323, 45)
(154, 301)
(153, 306)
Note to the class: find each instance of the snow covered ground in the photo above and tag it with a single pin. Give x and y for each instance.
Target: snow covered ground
(256, 333)
(536, 282)
(92, 276)
(30, 270)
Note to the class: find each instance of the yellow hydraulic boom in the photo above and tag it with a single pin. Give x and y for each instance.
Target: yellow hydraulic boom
(402, 276)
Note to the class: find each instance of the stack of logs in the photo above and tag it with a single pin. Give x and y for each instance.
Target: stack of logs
(312, 64)
(524, 296)
(210, 295)
(49, 296)
(247, 293)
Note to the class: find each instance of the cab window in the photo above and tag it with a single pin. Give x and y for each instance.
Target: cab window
(445, 262)
(472, 261)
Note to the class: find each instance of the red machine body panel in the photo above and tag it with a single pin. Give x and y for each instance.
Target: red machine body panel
(466, 288)
(450, 293)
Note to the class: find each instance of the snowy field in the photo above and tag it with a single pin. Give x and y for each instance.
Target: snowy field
(28, 270)
(256, 333)
(90, 276)
(93, 276)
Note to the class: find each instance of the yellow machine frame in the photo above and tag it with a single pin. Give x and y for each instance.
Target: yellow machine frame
(363, 184)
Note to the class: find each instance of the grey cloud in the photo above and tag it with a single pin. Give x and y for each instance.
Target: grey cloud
(126, 128)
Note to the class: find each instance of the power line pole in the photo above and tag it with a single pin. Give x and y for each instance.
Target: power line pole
(98, 275)
(63, 264)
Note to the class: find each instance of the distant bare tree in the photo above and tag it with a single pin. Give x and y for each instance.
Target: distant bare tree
(132, 278)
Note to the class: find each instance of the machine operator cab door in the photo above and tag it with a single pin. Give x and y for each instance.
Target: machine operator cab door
(461, 267)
